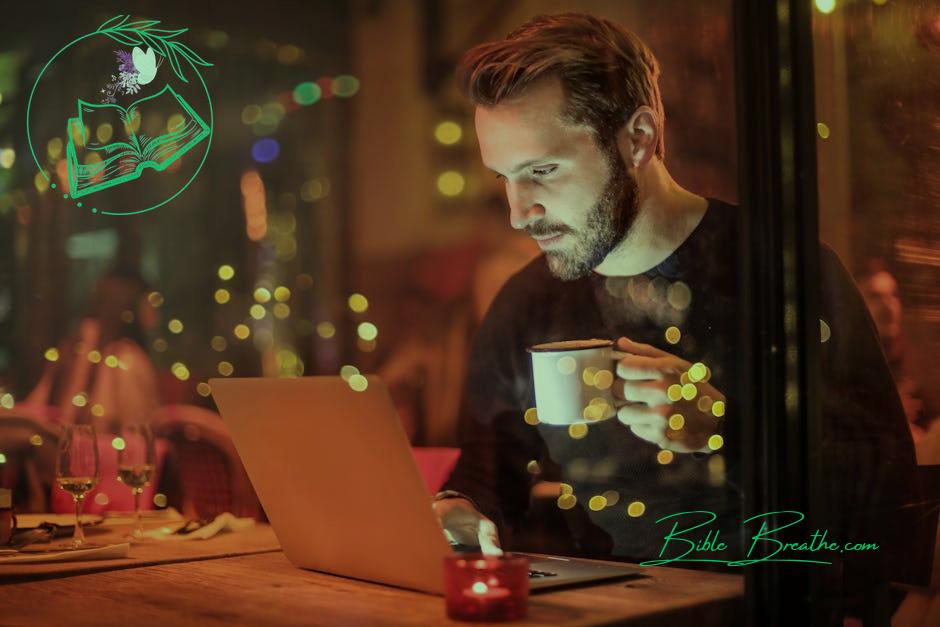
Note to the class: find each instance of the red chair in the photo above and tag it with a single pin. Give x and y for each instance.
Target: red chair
(29, 448)
(205, 476)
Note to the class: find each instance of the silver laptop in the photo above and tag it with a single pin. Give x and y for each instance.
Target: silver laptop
(334, 471)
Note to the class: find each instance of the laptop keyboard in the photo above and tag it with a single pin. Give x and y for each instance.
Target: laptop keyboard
(538, 574)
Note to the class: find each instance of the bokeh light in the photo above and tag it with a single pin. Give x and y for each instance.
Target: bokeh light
(226, 272)
(676, 422)
(450, 183)
(242, 331)
(180, 371)
(673, 335)
(251, 114)
(175, 326)
(358, 303)
(345, 85)
(367, 331)
(326, 330)
(222, 296)
(104, 133)
(307, 93)
(567, 365)
(577, 431)
(7, 157)
(358, 383)
(448, 133)
(825, 6)
(265, 150)
(262, 294)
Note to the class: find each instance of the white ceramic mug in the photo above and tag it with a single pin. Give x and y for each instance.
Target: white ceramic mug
(573, 380)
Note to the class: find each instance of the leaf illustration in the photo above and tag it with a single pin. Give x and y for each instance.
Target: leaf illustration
(154, 42)
(187, 52)
(123, 38)
(141, 25)
(166, 34)
(174, 62)
(115, 21)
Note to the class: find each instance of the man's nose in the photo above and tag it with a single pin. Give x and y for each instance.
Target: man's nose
(523, 210)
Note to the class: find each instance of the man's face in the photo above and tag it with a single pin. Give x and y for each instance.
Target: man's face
(574, 198)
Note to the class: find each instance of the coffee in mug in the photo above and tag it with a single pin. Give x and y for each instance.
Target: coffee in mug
(573, 380)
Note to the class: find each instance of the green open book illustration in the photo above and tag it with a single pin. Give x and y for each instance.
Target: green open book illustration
(94, 165)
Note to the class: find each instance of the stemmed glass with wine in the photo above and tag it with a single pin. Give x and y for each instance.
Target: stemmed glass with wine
(77, 470)
(136, 466)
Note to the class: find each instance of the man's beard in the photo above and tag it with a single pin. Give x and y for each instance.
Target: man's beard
(607, 224)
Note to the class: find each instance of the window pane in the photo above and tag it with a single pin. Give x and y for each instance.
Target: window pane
(877, 140)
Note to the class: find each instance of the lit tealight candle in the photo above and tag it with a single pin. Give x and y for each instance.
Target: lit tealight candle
(486, 588)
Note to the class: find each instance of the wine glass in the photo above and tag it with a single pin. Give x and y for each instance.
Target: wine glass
(77, 470)
(135, 466)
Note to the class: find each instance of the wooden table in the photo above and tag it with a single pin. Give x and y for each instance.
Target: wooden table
(265, 589)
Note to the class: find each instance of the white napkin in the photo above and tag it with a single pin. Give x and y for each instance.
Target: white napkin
(107, 552)
(222, 522)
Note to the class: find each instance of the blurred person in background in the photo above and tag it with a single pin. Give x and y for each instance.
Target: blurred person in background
(102, 373)
(880, 289)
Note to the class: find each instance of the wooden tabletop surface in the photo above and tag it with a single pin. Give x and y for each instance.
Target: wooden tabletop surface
(264, 588)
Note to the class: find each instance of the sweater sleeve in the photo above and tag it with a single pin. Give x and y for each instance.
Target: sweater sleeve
(496, 444)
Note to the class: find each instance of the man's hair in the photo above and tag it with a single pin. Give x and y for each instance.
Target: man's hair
(606, 71)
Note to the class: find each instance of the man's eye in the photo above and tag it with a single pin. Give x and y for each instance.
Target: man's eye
(544, 171)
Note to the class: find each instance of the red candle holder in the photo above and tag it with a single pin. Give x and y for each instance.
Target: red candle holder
(481, 587)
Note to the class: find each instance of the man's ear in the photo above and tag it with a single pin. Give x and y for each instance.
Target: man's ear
(637, 139)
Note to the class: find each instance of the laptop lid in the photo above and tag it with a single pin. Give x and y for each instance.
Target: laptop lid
(333, 469)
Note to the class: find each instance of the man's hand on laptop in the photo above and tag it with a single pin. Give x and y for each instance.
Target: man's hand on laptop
(464, 524)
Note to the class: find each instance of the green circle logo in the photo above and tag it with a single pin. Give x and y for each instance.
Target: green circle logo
(110, 144)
